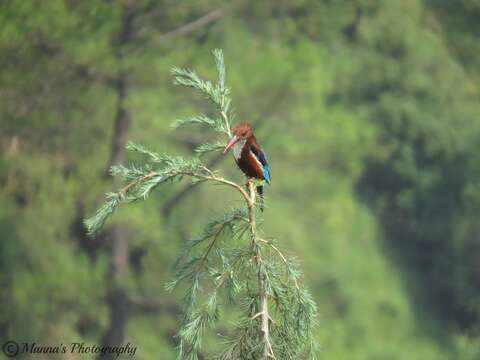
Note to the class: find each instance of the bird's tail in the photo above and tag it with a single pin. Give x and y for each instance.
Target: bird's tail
(260, 194)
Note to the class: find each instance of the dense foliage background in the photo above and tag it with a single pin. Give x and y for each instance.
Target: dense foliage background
(368, 111)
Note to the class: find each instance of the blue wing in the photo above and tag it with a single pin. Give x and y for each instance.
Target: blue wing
(260, 155)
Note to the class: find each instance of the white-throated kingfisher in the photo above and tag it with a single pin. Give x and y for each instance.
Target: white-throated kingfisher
(249, 155)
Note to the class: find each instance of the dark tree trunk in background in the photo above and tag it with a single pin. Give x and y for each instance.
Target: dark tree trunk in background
(117, 296)
(118, 301)
(115, 335)
(122, 118)
(351, 30)
(121, 125)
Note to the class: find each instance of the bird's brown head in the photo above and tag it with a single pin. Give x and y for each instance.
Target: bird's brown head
(241, 131)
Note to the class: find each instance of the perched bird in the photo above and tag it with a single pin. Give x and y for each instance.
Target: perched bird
(249, 156)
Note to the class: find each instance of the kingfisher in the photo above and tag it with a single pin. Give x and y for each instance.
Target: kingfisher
(249, 156)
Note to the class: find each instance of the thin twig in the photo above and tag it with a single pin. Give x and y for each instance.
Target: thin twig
(210, 247)
(283, 258)
(190, 27)
(126, 188)
(211, 177)
(227, 123)
(222, 277)
(226, 182)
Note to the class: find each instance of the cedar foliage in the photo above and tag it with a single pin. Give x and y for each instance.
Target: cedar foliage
(231, 258)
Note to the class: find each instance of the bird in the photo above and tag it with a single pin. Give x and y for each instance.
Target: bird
(249, 156)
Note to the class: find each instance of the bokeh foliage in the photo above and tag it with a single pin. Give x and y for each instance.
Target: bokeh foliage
(368, 111)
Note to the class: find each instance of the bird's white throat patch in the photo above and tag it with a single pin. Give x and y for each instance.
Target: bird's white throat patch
(237, 148)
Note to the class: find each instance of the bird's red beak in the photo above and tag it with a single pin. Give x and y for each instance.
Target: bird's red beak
(232, 142)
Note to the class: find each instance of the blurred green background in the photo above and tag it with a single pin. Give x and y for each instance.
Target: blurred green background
(368, 111)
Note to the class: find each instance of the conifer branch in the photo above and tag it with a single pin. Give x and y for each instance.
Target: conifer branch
(278, 314)
(264, 315)
(146, 182)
